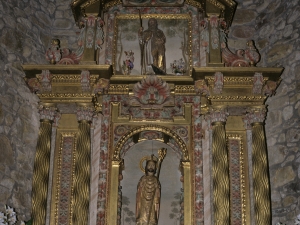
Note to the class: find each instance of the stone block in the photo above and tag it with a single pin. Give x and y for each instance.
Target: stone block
(7, 183)
(283, 176)
(277, 154)
(4, 194)
(44, 18)
(274, 118)
(244, 32)
(279, 51)
(266, 30)
(62, 24)
(289, 200)
(294, 15)
(7, 154)
(11, 39)
(293, 135)
(288, 112)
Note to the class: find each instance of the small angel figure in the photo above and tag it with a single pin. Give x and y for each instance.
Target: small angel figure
(53, 54)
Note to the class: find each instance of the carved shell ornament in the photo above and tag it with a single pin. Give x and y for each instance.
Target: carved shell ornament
(152, 90)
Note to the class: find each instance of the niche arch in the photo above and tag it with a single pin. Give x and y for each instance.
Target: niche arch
(167, 131)
(116, 167)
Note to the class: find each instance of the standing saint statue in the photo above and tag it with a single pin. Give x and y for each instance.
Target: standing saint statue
(152, 43)
(148, 192)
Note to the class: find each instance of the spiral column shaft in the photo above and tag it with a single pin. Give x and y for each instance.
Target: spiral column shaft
(82, 175)
(220, 169)
(261, 187)
(41, 173)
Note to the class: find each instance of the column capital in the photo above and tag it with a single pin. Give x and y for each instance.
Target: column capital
(85, 112)
(47, 111)
(217, 114)
(255, 115)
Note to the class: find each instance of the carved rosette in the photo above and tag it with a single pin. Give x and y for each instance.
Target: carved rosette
(218, 83)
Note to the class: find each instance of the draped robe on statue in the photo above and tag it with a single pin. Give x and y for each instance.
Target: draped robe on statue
(148, 200)
(153, 41)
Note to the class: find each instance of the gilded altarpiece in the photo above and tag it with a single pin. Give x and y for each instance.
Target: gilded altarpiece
(102, 113)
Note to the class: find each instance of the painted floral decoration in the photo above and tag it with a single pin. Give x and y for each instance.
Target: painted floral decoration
(178, 67)
(128, 62)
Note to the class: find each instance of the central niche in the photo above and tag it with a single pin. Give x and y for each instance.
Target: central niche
(171, 186)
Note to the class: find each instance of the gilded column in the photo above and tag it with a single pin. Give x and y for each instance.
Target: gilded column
(42, 165)
(261, 187)
(220, 168)
(81, 189)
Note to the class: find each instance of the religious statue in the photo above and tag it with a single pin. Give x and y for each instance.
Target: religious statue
(148, 191)
(152, 42)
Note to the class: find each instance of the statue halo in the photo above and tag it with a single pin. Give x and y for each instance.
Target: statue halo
(146, 158)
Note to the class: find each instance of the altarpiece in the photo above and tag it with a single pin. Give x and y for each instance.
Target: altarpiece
(102, 111)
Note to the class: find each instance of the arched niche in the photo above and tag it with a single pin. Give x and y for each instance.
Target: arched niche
(117, 166)
(171, 186)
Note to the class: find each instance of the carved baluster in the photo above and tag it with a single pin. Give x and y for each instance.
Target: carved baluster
(220, 167)
(261, 187)
(82, 167)
(42, 165)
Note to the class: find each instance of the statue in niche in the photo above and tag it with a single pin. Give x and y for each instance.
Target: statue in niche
(152, 43)
(148, 191)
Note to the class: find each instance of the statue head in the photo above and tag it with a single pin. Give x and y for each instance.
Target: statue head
(152, 24)
(151, 165)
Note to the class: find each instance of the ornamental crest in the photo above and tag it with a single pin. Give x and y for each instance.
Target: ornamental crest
(152, 91)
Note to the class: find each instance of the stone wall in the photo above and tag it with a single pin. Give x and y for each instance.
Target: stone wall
(275, 28)
(26, 29)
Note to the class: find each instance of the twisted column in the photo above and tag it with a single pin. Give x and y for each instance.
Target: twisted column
(81, 191)
(42, 165)
(220, 168)
(261, 187)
